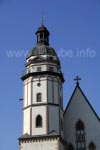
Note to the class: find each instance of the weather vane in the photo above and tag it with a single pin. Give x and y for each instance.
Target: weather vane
(77, 79)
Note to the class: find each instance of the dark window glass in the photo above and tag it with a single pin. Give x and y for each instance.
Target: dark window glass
(39, 97)
(92, 146)
(41, 36)
(51, 58)
(38, 69)
(38, 121)
(50, 68)
(80, 136)
(70, 147)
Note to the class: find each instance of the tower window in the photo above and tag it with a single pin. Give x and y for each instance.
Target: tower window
(80, 136)
(51, 58)
(92, 146)
(70, 147)
(38, 121)
(51, 69)
(38, 69)
(41, 36)
(39, 97)
(50, 52)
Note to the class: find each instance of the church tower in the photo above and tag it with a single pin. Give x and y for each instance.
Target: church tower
(43, 97)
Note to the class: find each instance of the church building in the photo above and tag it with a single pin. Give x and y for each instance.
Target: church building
(46, 125)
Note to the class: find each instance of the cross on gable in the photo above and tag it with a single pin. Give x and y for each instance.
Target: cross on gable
(77, 79)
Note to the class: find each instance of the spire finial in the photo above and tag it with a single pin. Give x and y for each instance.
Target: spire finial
(42, 20)
(77, 79)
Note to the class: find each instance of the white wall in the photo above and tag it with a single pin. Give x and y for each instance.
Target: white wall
(79, 109)
(26, 121)
(53, 90)
(40, 145)
(42, 89)
(44, 67)
(39, 110)
(53, 118)
(50, 90)
(27, 91)
(56, 90)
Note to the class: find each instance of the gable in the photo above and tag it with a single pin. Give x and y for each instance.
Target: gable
(79, 108)
(79, 97)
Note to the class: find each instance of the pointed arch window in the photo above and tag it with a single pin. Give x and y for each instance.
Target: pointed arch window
(80, 136)
(38, 121)
(70, 147)
(92, 146)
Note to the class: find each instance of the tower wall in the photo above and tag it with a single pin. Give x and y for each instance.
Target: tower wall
(39, 110)
(43, 101)
(26, 121)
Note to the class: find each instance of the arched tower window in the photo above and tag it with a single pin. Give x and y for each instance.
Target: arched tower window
(39, 97)
(70, 147)
(80, 136)
(38, 121)
(92, 146)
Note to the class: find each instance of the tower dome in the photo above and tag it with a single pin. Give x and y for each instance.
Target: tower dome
(42, 47)
(42, 50)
